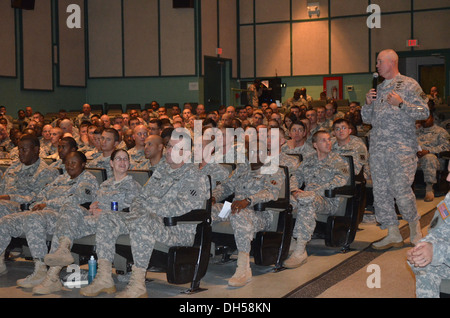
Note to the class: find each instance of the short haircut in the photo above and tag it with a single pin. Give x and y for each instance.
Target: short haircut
(31, 138)
(299, 123)
(80, 155)
(114, 132)
(71, 141)
(317, 133)
(340, 121)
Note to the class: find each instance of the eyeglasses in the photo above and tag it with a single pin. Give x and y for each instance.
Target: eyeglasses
(340, 128)
(117, 159)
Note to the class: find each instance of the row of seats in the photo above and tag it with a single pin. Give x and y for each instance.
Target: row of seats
(188, 264)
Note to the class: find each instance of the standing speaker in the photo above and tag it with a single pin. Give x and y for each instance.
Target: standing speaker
(23, 4)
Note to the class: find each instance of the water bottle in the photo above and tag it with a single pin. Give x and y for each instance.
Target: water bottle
(92, 263)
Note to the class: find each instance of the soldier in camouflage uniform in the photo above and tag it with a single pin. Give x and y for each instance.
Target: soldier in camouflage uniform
(208, 166)
(392, 111)
(347, 144)
(298, 143)
(137, 153)
(153, 150)
(25, 178)
(432, 141)
(318, 172)
(66, 145)
(110, 140)
(250, 187)
(75, 187)
(430, 258)
(77, 221)
(174, 189)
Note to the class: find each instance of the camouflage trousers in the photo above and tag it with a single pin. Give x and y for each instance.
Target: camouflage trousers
(148, 229)
(74, 222)
(110, 226)
(392, 177)
(429, 278)
(308, 207)
(8, 207)
(245, 224)
(35, 225)
(430, 165)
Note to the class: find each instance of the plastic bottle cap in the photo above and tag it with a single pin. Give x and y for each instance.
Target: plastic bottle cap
(92, 258)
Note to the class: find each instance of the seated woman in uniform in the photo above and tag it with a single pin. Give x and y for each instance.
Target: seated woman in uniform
(76, 222)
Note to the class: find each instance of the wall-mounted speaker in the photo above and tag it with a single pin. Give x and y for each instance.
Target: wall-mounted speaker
(23, 4)
(183, 3)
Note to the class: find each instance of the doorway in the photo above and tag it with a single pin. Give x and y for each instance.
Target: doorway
(216, 82)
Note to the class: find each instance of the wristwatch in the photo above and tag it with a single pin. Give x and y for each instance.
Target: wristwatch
(249, 201)
(400, 105)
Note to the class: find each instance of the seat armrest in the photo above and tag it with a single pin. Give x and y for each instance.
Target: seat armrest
(199, 215)
(345, 190)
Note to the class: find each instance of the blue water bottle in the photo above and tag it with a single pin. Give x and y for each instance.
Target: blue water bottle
(92, 263)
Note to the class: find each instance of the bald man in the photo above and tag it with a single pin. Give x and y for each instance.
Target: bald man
(153, 149)
(392, 110)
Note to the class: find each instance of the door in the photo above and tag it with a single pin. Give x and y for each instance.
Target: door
(216, 80)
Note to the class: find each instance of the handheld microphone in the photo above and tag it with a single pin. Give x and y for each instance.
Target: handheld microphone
(375, 81)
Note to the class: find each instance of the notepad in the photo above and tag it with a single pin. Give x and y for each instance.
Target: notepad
(226, 210)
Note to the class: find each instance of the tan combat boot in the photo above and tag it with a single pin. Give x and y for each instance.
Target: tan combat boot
(298, 257)
(415, 232)
(429, 193)
(103, 281)
(51, 283)
(62, 255)
(393, 239)
(38, 275)
(3, 269)
(243, 274)
(136, 287)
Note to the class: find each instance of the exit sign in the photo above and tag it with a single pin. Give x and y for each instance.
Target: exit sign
(412, 43)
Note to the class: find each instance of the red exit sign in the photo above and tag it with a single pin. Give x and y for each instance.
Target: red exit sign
(412, 43)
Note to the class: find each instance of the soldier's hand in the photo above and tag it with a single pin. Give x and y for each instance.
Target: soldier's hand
(371, 96)
(394, 99)
(237, 206)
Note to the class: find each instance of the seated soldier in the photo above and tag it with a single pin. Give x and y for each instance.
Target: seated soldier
(95, 139)
(429, 259)
(208, 166)
(432, 140)
(74, 187)
(76, 221)
(318, 172)
(250, 187)
(24, 178)
(346, 144)
(46, 140)
(298, 143)
(66, 145)
(174, 189)
(90, 144)
(153, 150)
(109, 142)
(140, 134)
(52, 150)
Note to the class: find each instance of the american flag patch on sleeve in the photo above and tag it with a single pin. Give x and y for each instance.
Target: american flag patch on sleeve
(443, 210)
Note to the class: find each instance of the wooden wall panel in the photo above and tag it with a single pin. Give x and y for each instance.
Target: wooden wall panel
(247, 52)
(178, 40)
(349, 45)
(310, 48)
(228, 32)
(273, 50)
(8, 40)
(141, 47)
(105, 38)
(37, 47)
(71, 47)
